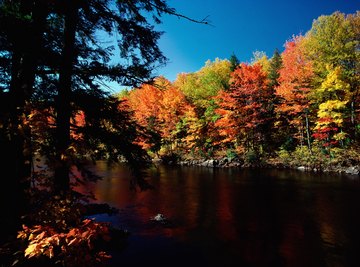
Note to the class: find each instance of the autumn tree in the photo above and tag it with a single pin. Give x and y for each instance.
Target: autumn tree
(244, 108)
(144, 101)
(354, 81)
(174, 112)
(333, 95)
(295, 80)
(333, 41)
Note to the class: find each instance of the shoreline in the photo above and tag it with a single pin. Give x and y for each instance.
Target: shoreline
(236, 163)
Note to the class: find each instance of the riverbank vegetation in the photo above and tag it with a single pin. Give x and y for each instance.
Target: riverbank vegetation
(299, 107)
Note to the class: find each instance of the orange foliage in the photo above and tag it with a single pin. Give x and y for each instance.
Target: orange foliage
(41, 120)
(295, 76)
(73, 248)
(226, 125)
(77, 121)
(159, 107)
(244, 107)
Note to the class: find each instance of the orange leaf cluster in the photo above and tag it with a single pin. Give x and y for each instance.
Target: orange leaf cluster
(74, 248)
(158, 107)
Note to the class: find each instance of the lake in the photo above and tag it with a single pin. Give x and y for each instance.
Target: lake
(233, 217)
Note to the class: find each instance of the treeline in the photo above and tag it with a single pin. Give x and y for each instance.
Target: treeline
(300, 106)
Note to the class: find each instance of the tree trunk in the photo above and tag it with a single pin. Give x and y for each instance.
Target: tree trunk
(307, 131)
(15, 134)
(62, 178)
(301, 134)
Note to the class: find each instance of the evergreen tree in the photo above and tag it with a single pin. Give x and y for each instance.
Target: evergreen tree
(274, 67)
(53, 65)
(234, 61)
(21, 27)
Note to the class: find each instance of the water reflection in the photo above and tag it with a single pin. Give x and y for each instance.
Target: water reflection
(236, 218)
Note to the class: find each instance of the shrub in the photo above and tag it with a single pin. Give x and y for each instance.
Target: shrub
(231, 154)
(251, 157)
(284, 156)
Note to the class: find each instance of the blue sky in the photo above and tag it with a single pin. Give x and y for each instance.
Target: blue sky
(239, 26)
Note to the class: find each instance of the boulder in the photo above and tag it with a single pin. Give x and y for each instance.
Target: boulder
(354, 170)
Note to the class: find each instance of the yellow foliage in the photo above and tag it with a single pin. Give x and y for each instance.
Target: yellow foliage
(340, 136)
(334, 83)
(31, 250)
(330, 106)
(330, 113)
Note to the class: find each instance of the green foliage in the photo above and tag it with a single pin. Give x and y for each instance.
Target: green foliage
(200, 87)
(252, 157)
(284, 156)
(333, 159)
(275, 64)
(289, 144)
(234, 62)
(231, 154)
(210, 114)
(347, 157)
(123, 93)
(302, 156)
(332, 40)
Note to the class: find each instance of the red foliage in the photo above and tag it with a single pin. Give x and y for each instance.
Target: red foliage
(244, 107)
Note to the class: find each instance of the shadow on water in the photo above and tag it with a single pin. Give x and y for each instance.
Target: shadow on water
(231, 217)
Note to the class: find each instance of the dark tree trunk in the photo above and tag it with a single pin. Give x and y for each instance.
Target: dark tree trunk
(15, 134)
(307, 131)
(63, 107)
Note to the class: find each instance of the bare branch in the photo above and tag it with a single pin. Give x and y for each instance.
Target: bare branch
(174, 13)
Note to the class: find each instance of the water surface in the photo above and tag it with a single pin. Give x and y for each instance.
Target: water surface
(231, 217)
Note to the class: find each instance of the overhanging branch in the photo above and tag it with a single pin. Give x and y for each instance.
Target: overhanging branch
(174, 13)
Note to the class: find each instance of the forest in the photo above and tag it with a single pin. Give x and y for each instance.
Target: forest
(298, 107)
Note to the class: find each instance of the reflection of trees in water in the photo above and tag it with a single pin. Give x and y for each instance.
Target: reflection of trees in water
(331, 233)
(252, 217)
